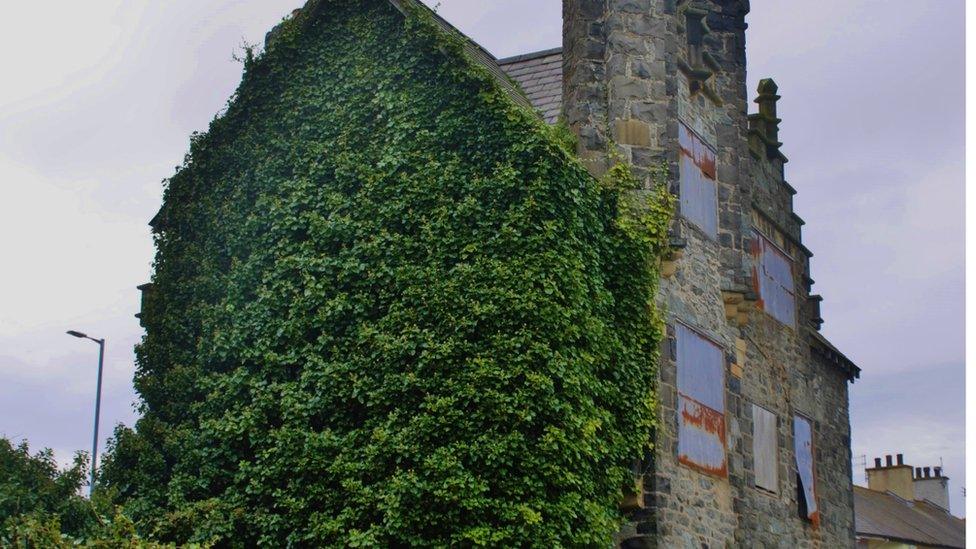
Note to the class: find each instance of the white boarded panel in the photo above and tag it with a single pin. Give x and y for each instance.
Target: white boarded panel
(701, 403)
(696, 175)
(775, 273)
(701, 369)
(803, 446)
(778, 266)
(764, 449)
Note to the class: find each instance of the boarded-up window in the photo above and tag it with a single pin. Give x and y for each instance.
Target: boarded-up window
(701, 403)
(806, 493)
(765, 461)
(773, 274)
(698, 189)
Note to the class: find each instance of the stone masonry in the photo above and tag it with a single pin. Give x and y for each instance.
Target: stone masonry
(635, 73)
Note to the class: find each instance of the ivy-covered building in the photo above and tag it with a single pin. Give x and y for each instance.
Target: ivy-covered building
(395, 304)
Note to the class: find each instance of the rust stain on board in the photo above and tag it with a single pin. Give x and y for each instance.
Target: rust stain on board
(760, 304)
(707, 164)
(706, 419)
(702, 438)
(696, 149)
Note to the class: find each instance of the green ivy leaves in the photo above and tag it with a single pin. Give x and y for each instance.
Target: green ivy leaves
(392, 309)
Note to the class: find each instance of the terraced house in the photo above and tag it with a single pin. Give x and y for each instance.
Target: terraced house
(752, 447)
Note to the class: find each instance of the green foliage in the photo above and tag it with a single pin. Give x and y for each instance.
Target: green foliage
(391, 308)
(40, 505)
(34, 484)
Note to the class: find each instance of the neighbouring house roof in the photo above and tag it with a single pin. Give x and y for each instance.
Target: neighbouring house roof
(885, 516)
(540, 74)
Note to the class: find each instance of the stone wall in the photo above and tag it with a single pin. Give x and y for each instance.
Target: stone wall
(633, 71)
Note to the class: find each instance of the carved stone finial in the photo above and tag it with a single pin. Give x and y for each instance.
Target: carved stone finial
(767, 86)
(767, 107)
(764, 125)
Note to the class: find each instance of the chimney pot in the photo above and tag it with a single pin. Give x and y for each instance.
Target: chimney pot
(877, 463)
(918, 472)
(938, 472)
(928, 472)
(888, 462)
(901, 459)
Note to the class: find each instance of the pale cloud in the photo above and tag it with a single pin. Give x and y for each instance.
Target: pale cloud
(98, 102)
(71, 256)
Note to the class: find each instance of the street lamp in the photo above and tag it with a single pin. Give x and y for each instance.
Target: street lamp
(98, 401)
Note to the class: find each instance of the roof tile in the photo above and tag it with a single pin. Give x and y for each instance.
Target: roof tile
(884, 515)
(540, 75)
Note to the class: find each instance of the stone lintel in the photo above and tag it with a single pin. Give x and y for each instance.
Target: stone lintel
(738, 303)
(632, 132)
(669, 265)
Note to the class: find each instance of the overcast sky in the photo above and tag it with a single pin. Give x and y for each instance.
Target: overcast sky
(100, 97)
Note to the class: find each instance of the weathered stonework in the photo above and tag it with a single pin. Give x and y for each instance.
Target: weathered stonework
(633, 71)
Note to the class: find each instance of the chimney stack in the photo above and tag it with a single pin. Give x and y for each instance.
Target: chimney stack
(933, 488)
(897, 479)
(909, 483)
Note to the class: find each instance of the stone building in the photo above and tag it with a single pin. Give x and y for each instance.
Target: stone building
(753, 447)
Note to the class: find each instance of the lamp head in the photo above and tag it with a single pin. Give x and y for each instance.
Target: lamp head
(76, 334)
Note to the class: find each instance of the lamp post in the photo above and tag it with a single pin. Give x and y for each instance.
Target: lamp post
(98, 402)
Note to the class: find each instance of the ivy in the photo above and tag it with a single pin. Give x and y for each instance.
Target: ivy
(390, 308)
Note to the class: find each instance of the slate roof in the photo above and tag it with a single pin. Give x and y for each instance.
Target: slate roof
(829, 352)
(540, 75)
(883, 515)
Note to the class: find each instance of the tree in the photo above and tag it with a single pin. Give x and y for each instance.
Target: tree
(34, 485)
(41, 506)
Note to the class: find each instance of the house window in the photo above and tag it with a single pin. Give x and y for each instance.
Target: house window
(701, 403)
(806, 493)
(764, 452)
(698, 189)
(773, 274)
